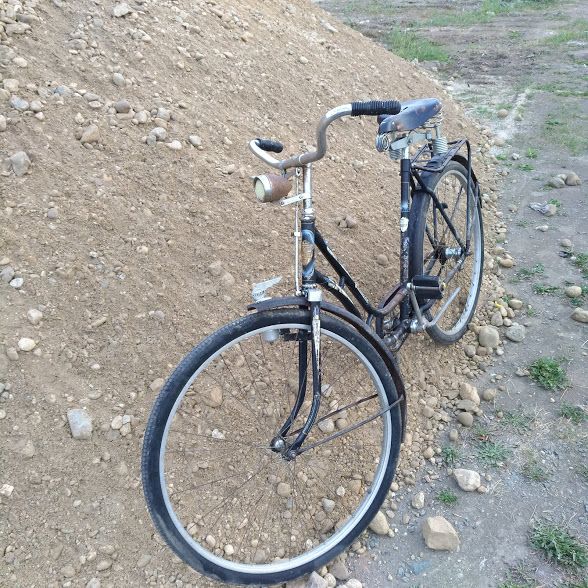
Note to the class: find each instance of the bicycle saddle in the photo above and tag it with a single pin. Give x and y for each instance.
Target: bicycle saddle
(413, 114)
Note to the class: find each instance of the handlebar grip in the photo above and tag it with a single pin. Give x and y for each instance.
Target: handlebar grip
(269, 145)
(375, 107)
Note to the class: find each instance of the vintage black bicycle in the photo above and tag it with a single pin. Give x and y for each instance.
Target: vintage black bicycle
(273, 444)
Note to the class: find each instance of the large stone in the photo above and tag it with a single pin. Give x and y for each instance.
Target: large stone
(469, 392)
(20, 163)
(80, 423)
(439, 534)
(91, 134)
(380, 524)
(315, 581)
(467, 480)
(580, 315)
(418, 500)
(515, 333)
(489, 337)
(465, 418)
(121, 9)
(573, 291)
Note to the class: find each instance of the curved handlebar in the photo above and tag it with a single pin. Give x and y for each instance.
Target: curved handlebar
(372, 108)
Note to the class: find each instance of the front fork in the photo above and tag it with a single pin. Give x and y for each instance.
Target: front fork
(313, 294)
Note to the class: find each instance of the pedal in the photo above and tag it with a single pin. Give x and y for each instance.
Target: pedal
(427, 288)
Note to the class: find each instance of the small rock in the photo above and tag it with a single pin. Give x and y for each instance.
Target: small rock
(467, 480)
(542, 228)
(303, 59)
(80, 423)
(439, 534)
(379, 524)
(157, 385)
(556, 182)
(159, 133)
(175, 145)
(195, 140)
(382, 259)
(11, 85)
(470, 350)
(328, 505)
(465, 418)
(104, 565)
(121, 9)
(6, 490)
(580, 315)
(351, 221)
(340, 571)
(3, 123)
(453, 435)
(515, 333)
(469, 392)
(315, 581)
(572, 179)
(118, 79)
(283, 489)
(12, 354)
(143, 560)
(489, 394)
(515, 304)
(488, 336)
(496, 319)
(17, 283)
(506, 262)
(26, 344)
(90, 135)
(573, 291)
(566, 243)
(227, 280)
(502, 113)
(20, 163)
(515, 156)
(122, 106)
(18, 103)
(418, 500)
(7, 274)
(353, 583)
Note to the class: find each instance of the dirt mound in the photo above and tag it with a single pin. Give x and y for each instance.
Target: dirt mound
(127, 211)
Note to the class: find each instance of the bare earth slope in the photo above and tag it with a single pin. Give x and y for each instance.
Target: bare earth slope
(113, 240)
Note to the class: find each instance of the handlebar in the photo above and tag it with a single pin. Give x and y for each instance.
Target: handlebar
(370, 108)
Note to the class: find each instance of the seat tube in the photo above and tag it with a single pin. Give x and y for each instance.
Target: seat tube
(307, 226)
(404, 239)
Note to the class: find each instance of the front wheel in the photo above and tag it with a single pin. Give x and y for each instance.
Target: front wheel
(220, 491)
(453, 251)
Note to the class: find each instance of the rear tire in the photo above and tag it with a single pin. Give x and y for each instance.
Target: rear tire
(430, 238)
(211, 479)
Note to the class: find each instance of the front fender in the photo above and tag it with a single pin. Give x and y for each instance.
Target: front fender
(365, 330)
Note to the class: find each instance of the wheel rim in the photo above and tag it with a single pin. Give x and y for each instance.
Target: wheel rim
(306, 480)
(438, 239)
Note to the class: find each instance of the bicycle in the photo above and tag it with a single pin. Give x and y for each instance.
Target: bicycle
(274, 442)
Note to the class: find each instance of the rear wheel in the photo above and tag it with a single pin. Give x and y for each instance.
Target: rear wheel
(220, 492)
(438, 249)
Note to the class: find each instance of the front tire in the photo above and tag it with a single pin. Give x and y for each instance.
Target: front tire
(222, 500)
(431, 238)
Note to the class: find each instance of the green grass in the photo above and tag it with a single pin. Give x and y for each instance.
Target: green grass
(518, 421)
(525, 167)
(575, 31)
(548, 373)
(560, 89)
(534, 471)
(528, 273)
(486, 12)
(501, 157)
(557, 203)
(544, 289)
(447, 497)
(532, 153)
(524, 223)
(575, 414)
(581, 262)
(493, 453)
(559, 546)
(410, 45)
(531, 311)
(560, 133)
(449, 455)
